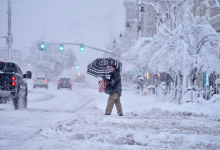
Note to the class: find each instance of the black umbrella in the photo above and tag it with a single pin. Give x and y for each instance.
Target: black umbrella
(100, 67)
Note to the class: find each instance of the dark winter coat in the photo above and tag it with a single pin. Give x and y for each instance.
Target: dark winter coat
(115, 81)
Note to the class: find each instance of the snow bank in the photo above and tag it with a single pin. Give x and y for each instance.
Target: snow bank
(90, 129)
(145, 125)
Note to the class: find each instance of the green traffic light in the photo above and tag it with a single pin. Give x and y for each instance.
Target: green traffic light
(81, 47)
(77, 67)
(42, 46)
(61, 47)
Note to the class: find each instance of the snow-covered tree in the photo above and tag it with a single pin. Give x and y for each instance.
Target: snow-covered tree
(185, 44)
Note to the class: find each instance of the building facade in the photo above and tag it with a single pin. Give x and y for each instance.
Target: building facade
(131, 19)
(145, 23)
(151, 18)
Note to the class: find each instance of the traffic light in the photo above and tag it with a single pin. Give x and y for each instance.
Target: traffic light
(41, 46)
(61, 47)
(77, 67)
(81, 48)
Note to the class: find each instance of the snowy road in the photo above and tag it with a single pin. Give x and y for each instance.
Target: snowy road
(145, 125)
(66, 120)
(45, 107)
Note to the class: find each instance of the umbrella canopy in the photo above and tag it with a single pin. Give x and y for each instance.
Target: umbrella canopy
(100, 67)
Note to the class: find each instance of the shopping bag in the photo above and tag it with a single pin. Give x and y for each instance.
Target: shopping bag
(102, 86)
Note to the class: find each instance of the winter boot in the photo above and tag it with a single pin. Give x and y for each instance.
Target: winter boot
(107, 114)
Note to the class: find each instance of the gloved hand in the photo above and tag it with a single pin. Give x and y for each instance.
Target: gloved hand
(103, 77)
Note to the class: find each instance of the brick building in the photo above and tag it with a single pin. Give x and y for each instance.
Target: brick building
(131, 22)
(150, 19)
(215, 18)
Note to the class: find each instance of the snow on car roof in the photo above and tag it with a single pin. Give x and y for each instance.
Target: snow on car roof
(40, 77)
(64, 77)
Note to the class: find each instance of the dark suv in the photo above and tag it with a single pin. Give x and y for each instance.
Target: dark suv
(64, 83)
(13, 85)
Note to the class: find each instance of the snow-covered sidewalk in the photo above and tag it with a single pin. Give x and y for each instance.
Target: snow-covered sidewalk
(145, 125)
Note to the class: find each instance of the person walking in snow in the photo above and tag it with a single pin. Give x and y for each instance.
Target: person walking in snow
(114, 92)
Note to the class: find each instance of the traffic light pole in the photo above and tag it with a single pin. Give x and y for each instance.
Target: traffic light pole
(9, 37)
(99, 49)
(84, 46)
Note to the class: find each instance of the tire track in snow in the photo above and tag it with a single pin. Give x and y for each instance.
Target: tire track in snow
(18, 126)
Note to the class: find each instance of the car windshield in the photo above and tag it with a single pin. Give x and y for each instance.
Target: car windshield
(64, 79)
(40, 78)
(7, 67)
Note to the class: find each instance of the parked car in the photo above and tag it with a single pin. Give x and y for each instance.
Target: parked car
(64, 83)
(13, 85)
(40, 82)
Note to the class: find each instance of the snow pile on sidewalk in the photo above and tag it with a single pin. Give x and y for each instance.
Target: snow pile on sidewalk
(145, 125)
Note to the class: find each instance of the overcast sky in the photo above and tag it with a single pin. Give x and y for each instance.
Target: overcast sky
(93, 22)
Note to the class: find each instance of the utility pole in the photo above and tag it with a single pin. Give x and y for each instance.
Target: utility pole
(139, 19)
(140, 11)
(9, 37)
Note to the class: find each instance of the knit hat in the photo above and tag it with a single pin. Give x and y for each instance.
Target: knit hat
(113, 65)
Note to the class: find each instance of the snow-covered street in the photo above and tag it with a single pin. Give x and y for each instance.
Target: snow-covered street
(64, 119)
(45, 107)
(110, 75)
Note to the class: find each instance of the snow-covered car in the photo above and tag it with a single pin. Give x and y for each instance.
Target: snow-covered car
(40, 82)
(64, 82)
